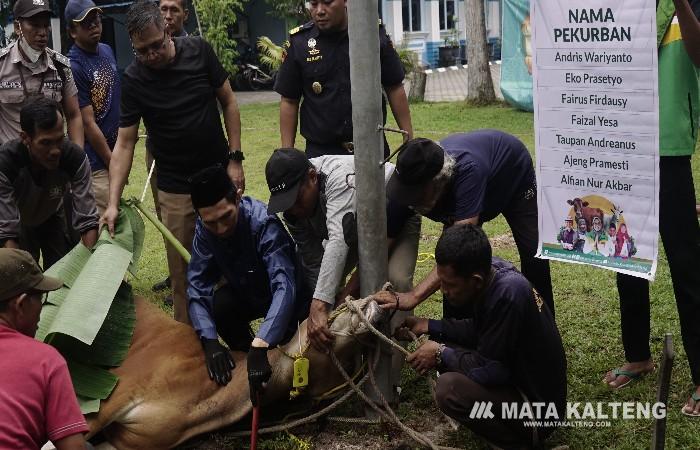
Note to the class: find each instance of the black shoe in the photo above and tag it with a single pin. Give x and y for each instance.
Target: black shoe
(161, 285)
(168, 300)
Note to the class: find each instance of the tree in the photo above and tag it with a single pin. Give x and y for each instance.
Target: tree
(479, 83)
(294, 10)
(217, 18)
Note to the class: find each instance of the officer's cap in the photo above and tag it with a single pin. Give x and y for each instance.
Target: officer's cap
(28, 8)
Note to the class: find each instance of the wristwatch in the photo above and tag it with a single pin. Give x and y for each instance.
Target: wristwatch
(438, 355)
(236, 155)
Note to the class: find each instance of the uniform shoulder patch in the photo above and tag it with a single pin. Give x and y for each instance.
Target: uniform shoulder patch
(59, 58)
(305, 26)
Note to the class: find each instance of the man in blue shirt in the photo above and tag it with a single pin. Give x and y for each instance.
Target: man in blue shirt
(235, 238)
(95, 72)
(471, 178)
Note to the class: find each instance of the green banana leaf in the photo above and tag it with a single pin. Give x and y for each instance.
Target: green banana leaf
(91, 319)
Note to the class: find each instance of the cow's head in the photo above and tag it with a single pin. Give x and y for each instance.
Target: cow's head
(352, 338)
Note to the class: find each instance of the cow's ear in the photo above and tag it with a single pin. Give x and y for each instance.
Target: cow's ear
(570, 202)
(584, 203)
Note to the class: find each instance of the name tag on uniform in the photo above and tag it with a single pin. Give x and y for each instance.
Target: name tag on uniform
(10, 85)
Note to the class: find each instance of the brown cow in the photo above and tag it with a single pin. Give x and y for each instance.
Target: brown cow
(581, 209)
(165, 396)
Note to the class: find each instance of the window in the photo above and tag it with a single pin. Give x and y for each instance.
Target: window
(410, 10)
(447, 14)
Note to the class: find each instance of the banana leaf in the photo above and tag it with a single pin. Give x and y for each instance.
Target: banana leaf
(91, 319)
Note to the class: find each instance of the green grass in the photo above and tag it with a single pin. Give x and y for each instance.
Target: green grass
(586, 298)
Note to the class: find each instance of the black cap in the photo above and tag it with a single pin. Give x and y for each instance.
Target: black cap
(29, 8)
(419, 161)
(209, 186)
(285, 171)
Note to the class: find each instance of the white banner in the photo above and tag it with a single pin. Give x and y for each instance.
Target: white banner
(596, 116)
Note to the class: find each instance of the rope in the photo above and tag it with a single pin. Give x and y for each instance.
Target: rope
(316, 415)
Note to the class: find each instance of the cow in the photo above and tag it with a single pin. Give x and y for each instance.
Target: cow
(165, 397)
(582, 210)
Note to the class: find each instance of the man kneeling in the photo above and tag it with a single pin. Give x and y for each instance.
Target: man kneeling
(236, 239)
(509, 352)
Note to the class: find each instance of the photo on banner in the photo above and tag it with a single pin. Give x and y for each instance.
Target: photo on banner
(595, 92)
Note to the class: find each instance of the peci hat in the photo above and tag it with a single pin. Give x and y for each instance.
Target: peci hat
(419, 161)
(285, 171)
(77, 10)
(28, 8)
(19, 273)
(209, 186)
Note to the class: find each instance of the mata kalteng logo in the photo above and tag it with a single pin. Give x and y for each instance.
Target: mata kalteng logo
(575, 411)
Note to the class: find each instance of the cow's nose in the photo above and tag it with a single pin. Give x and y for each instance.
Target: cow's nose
(374, 313)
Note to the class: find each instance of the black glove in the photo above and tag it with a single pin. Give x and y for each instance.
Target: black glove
(259, 372)
(219, 361)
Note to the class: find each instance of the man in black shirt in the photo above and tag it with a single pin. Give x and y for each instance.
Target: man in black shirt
(509, 352)
(174, 85)
(316, 66)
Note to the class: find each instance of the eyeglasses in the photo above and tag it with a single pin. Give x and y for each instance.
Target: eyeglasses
(144, 53)
(89, 22)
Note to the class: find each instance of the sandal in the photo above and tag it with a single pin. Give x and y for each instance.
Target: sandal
(631, 376)
(696, 398)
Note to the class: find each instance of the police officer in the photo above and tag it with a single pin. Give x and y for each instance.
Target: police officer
(29, 69)
(316, 67)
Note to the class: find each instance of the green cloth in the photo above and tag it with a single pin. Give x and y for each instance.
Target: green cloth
(679, 89)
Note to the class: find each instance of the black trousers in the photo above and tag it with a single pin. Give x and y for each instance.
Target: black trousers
(456, 395)
(233, 313)
(49, 239)
(521, 216)
(680, 233)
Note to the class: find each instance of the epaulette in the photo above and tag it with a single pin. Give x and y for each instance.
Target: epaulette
(306, 26)
(57, 57)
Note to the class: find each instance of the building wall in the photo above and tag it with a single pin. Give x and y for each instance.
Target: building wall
(427, 41)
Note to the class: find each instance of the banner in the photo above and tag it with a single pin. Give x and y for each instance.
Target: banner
(595, 86)
(516, 54)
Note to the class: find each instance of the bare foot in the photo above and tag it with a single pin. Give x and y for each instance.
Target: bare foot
(692, 405)
(621, 380)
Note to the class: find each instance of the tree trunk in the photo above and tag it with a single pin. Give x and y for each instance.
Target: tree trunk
(479, 83)
(418, 80)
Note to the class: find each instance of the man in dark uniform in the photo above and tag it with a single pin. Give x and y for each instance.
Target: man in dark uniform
(316, 67)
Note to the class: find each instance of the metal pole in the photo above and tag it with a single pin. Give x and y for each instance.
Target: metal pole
(366, 95)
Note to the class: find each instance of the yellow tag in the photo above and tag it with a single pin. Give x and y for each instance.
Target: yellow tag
(301, 372)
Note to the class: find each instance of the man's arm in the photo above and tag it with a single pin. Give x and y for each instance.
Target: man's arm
(232, 122)
(429, 285)
(119, 168)
(74, 119)
(202, 275)
(9, 214)
(289, 117)
(277, 251)
(690, 29)
(72, 442)
(85, 218)
(399, 107)
(94, 135)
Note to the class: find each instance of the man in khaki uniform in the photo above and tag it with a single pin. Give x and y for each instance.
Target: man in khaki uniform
(29, 69)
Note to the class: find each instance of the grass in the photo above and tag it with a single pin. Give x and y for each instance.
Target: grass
(586, 298)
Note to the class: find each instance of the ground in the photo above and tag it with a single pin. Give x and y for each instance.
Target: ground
(586, 301)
